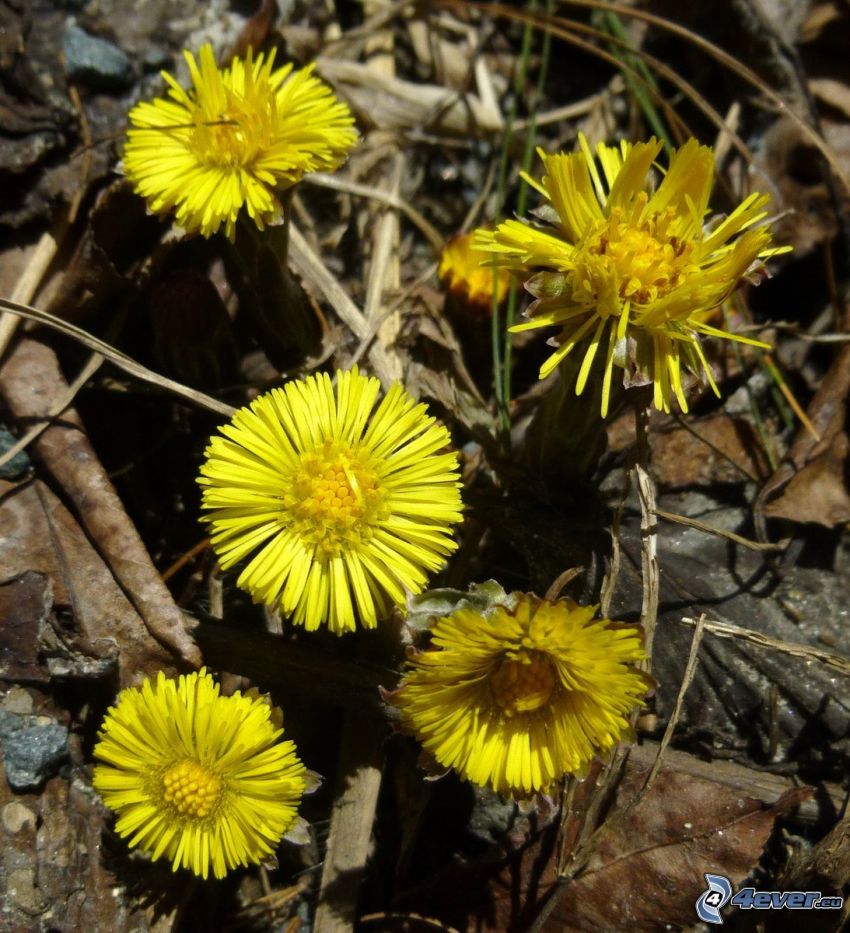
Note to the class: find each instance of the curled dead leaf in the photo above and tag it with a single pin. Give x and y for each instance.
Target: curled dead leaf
(811, 484)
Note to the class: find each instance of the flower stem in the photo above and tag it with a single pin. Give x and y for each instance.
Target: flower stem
(280, 316)
(283, 236)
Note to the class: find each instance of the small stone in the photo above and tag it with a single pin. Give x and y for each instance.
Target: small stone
(16, 816)
(31, 753)
(11, 722)
(491, 816)
(20, 463)
(285, 8)
(17, 700)
(23, 891)
(156, 59)
(98, 64)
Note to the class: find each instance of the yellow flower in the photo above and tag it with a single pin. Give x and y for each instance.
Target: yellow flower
(462, 273)
(518, 696)
(195, 777)
(340, 506)
(239, 137)
(628, 271)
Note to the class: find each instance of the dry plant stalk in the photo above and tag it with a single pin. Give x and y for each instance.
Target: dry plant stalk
(350, 837)
(723, 630)
(687, 680)
(768, 547)
(31, 279)
(310, 267)
(648, 531)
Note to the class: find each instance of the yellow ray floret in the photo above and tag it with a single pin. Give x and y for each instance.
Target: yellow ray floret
(342, 508)
(516, 697)
(233, 141)
(200, 779)
(630, 273)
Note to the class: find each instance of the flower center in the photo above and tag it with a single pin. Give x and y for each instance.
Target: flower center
(191, 789)
(236, 134)
(630, 259)
(523, 683)
(336, 498)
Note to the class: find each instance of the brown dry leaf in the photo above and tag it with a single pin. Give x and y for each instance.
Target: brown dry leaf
(25, 602)
(810, 484)
(647, 871)
(31, 382)
(255, 32)
(818, 493)
(655, 860)
(41, 541)
(719, 449)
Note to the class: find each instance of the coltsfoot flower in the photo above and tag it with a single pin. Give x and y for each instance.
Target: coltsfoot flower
(200, 779)
(628, 273)
(235, 140)
(461, 272)
(518, 696)
(342, 509)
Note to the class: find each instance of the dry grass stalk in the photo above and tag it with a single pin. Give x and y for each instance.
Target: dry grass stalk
(723, 630)
(116, 357)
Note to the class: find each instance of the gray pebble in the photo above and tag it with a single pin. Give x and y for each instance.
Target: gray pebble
(32, 751)
(20, 463)
(491, 816)
(98, 64)
(156, 59)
